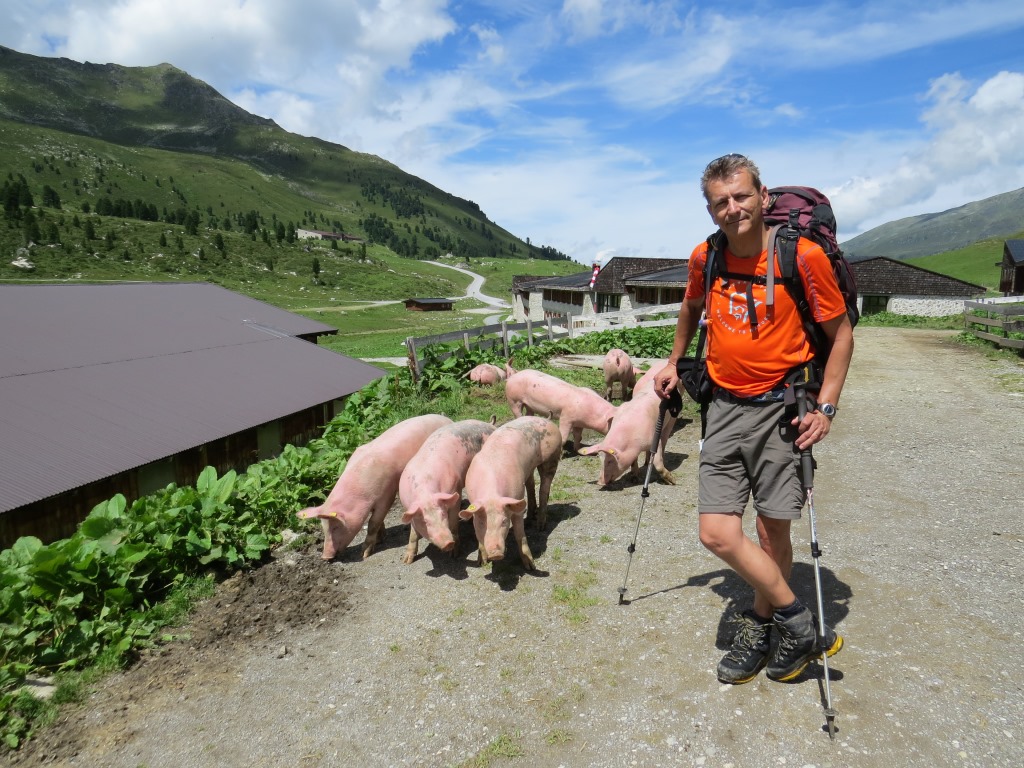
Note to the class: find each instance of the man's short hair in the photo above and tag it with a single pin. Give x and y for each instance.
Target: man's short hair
(725, 166)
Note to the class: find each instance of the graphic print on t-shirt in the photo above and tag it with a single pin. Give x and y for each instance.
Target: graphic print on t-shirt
(737, 319)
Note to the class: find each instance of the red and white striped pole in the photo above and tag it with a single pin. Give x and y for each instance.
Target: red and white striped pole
(593, 277)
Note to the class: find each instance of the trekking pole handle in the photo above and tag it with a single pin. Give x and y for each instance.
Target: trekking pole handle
(806, 459)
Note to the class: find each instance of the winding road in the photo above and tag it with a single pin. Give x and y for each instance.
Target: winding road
(472, 292)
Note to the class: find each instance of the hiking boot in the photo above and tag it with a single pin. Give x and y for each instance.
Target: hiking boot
(798, 645)
(749, 652)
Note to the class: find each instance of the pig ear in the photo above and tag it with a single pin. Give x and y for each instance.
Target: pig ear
(590, 450)
(309, 513)
(467, 513)
(446, 500)
(515, 506)
(409, 514)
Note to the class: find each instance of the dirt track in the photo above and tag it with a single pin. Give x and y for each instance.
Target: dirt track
(444, 664)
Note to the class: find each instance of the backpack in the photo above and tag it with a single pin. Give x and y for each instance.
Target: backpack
(792, 213)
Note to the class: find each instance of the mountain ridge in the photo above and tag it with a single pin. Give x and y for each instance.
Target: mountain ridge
(998, 216)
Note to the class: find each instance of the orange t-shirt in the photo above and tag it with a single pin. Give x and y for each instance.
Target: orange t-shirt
(749, 364)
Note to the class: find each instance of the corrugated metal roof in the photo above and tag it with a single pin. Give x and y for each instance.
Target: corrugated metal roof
(96, 380)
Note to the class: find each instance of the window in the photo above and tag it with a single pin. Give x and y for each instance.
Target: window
(607, 302)
(872, 305)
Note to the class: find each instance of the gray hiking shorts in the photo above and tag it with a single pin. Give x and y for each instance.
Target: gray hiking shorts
(748, 453)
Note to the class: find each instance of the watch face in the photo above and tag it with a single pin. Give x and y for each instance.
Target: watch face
(828, 409)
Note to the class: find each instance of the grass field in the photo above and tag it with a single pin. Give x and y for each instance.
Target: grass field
(977, 263)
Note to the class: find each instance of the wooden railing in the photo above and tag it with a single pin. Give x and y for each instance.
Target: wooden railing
(513, 336)
(1002, 318)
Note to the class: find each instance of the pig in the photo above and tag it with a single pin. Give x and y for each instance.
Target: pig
(631, 434)
(618, 368)
(431, 485)
(488, 374)
(368, 485)
(500, 475)
(645, 381)
(575, 408)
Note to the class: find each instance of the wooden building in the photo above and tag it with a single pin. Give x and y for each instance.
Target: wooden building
(1011, 275)
(125, 388)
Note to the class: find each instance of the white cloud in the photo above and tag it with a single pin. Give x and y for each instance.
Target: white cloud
(974, 139)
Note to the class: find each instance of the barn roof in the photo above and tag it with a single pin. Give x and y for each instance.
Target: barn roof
(100, 379)
(889, 277)
(673, 277)
(1015, 250)
(611, 279)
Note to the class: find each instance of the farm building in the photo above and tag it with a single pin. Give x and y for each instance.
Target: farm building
(429, 305)
(319, 234)
(125, 388)
(1011, 275)
(887, 285)
(583, 294)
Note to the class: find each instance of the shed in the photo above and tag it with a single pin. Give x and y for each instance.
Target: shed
(888, 285)
(124, 388)
(581, 293)
(663, 286)
(429, 305)
(1011, 274)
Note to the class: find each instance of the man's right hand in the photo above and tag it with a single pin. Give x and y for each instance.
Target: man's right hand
(666, 381)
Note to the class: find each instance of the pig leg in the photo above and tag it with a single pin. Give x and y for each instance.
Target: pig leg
(375, 529)
(412, 547)
(453, 526)
(547, 476)
(519, 530)
(659, 458)
(577, 439)
(531, 497)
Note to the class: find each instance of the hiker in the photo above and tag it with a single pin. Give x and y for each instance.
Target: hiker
(752, 441)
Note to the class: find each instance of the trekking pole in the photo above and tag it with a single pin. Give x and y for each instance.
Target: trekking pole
(807, 469)
(673, 403)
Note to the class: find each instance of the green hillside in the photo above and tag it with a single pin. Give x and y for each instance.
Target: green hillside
(977, 263)
(113, 172)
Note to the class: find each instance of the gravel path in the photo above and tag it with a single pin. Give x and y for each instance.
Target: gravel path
(442, 663)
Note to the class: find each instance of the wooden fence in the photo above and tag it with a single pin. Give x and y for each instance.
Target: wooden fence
(1001, 318)
(513, 336)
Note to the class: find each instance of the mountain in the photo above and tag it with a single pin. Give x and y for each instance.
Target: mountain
(84, 145)
(1000, 216)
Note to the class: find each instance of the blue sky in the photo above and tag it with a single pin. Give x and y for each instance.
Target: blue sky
(584, 124)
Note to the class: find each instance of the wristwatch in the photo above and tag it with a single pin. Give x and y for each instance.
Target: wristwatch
(828, 409)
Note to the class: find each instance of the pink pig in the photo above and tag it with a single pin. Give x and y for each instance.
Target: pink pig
(631, 434)
(575, 408)
(487, 374)
(618, 368)
(431, 485)
(369, 484)
(645, 381)
(499, 477)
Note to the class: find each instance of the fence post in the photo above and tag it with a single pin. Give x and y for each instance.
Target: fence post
(504, 336)
(529, 331)
(465, 340)
(550, 335)
(414, 366)
(569, 325)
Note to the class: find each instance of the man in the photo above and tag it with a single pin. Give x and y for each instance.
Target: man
(751, 447)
